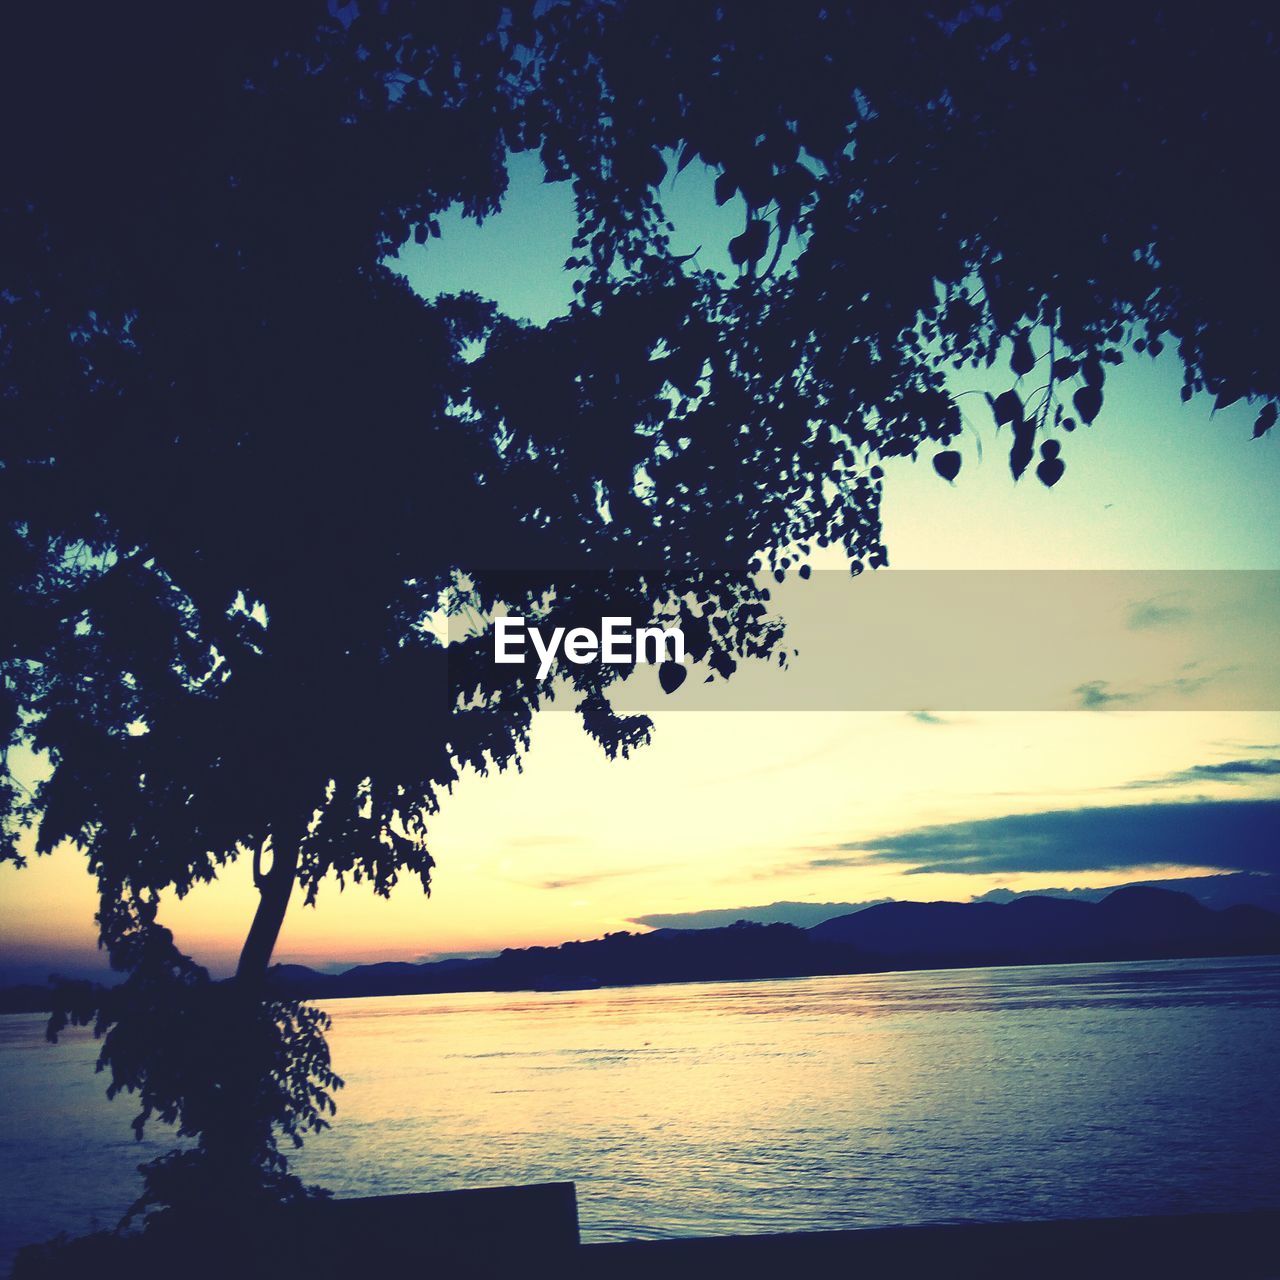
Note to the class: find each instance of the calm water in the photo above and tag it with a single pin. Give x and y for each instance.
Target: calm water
(795, 1104)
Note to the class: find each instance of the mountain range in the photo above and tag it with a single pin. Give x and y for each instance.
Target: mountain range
(1135, 922)
(1131, 923)
(1227, 889)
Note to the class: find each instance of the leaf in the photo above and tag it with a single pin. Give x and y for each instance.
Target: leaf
(1050, 471)
(1023, 359)
(1064, 367)
(671, 675)
(947, 464)
(654, 167)
(1007, 407)
(1024, 436)
(725, 187)
(752, 244)
(1092, 371)
(1265, 420)
(1088, 403)
(686, 156)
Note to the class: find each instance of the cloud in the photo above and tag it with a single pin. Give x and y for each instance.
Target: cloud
(1220, 771)
(585, 878)
(1194, 683)
(1147, 614)
(1095, 695)
(927, 717)
(826, 862)
(1240, 835)
(1238, 768)
(577, 882)
(1098, 693)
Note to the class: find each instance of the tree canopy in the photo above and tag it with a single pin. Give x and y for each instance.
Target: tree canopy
(244, 466)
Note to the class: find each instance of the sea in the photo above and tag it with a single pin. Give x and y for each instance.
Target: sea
(705, 1108)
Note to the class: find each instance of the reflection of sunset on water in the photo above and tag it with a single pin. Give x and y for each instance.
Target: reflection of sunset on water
(775, 1105)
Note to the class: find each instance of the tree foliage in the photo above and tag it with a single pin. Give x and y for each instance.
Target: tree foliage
(224, 1067)
(243, 464)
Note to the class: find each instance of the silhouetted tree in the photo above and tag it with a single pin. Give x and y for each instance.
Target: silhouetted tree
(242, 462)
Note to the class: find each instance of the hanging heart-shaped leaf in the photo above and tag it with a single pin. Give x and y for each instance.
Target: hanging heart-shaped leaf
(1088, 403)
(1050, 471)
(1007, 407)
(671, 675)
(947, 464)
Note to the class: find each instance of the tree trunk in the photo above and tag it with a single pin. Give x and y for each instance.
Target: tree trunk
(274, 889)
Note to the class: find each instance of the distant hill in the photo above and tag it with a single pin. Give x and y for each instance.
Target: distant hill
(741, 950)
(1127, 924)
(803, 914)
(1230, 889)
(1135, 922)
(1131, 923)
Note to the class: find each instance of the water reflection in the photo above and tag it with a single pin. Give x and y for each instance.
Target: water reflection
(829, 1102)
(749, 1106)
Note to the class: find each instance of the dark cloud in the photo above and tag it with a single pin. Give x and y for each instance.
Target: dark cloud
(1238, 835)
(1237, 768)
(1220, 771)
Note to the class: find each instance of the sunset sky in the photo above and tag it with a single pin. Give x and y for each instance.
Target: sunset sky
(738, 809)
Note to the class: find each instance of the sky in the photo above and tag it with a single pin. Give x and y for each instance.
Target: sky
(739, 808)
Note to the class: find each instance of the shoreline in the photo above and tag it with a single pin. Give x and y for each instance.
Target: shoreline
(326, 999)
(1239, 1244)
(534, 1230)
